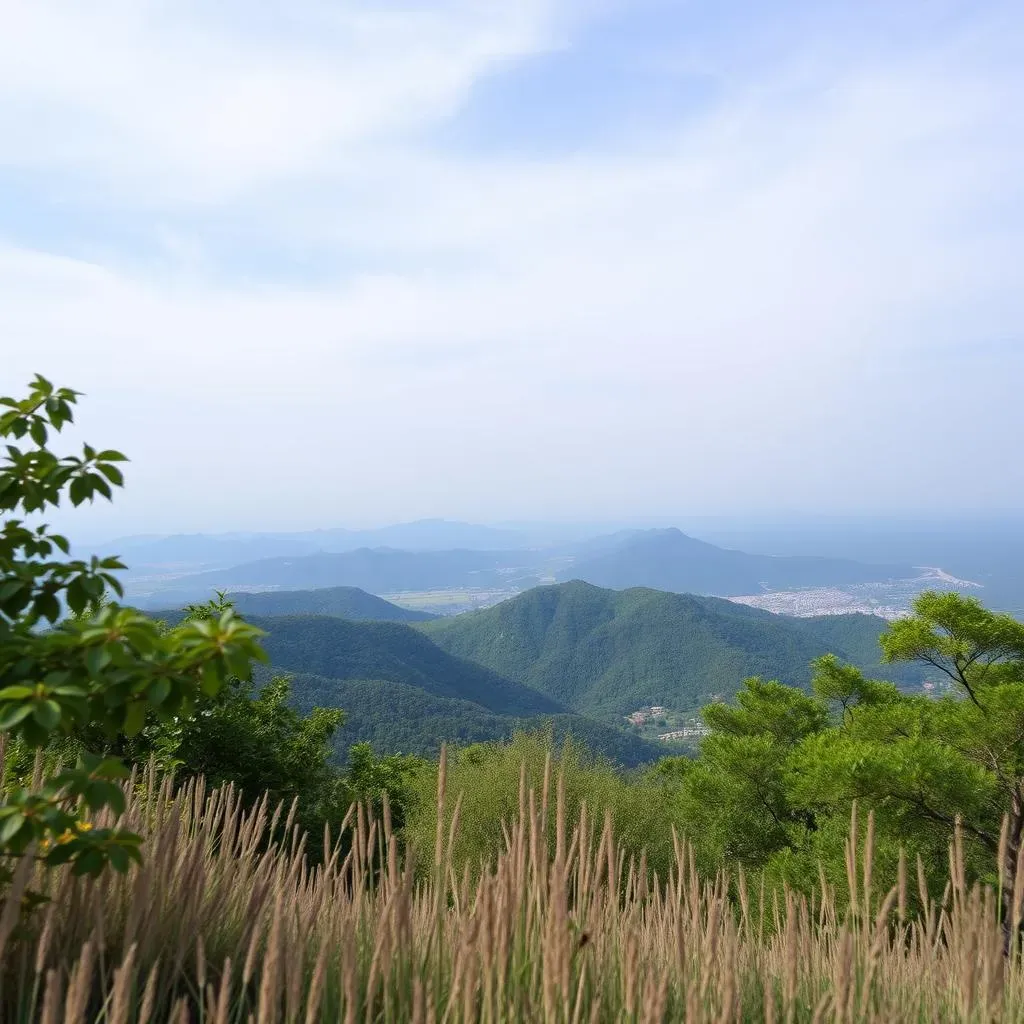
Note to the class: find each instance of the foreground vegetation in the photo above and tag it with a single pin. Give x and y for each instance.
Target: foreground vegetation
(218, 925)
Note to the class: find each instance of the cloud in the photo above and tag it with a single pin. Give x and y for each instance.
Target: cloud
(742, 308)
(165, 101)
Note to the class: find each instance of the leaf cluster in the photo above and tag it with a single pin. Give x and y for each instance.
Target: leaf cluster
(104, 667)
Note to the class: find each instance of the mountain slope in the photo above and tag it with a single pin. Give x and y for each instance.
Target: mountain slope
(343, 602)
(392, 652)
(670, 560)
(606, 652)
(399, 718)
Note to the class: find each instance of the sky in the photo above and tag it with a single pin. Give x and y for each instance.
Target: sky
(319, 263)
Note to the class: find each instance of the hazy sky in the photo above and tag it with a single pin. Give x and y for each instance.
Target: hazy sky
(320, 263)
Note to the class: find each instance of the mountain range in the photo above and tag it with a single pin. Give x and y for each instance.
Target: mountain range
(197, 551)
(573, 656)
(377, 570)
(659, 559)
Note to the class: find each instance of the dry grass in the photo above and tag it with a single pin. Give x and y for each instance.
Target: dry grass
(216, 927)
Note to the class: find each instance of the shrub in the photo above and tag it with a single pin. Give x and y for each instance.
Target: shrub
(105, 667)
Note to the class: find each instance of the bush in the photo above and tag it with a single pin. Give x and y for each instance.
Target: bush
(485, 779)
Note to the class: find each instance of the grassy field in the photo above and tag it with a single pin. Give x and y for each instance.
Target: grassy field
(220, 925)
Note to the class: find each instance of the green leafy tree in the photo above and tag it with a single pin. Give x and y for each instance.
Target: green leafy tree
(368, 776)
(735, 801)
(250, 737)
(778, 776)
(105, 667)
(924, 763)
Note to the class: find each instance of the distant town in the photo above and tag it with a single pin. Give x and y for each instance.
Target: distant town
(666, 725)
(889, 599)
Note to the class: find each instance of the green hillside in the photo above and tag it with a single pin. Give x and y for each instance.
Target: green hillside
(343, 602)
(399, 718)
(393, 652)
(606, 652)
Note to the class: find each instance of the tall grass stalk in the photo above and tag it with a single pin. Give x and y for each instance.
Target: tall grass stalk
(221, 926)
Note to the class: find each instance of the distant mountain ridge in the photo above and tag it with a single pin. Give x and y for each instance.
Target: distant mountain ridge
(656, 559)
(377, 570)
(670, 560)
(201, 550)
(342, 602)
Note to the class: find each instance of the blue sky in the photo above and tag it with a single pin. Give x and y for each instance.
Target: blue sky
(324, 263)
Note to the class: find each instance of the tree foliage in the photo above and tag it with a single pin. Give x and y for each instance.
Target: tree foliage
(106, 667)
(778, 776)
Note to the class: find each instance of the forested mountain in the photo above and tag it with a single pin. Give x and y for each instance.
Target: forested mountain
(670, 560)
(343, 602)
(605, 652)
(394, 652)
(400, 718)
(402, 692)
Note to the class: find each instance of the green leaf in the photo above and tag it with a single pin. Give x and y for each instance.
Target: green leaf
(119, 858)
(38, 432)
(158, 692)
(79, 490)
(11, 827)
(70, 691)
(76, 596)
(211, 679)
(135, 717)
(16, 692)
(61, 854)
(47, 714)
(90, 862)
(97, 659)
(99, 484)
(48, 607)
(112, 473)
(11, 715)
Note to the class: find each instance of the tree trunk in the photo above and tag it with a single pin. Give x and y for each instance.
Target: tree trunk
(1008, 868)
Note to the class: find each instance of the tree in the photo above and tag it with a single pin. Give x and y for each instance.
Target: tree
(735, 799)
(106, 667)
(252, 738)
(779, 774)
(369, 776)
